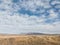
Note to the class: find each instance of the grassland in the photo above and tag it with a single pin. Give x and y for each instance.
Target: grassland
(29, 39)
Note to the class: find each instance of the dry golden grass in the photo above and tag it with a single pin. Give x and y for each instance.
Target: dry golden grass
(29, 40)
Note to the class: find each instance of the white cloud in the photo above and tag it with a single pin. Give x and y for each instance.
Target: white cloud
(55, 2)
(18, 23)
(52, 14)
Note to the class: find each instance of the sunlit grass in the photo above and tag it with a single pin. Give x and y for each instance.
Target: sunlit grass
(30, 40)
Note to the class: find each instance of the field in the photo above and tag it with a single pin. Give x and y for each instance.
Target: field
(29, 39)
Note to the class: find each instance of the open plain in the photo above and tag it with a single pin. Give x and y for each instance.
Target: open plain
(29, 39)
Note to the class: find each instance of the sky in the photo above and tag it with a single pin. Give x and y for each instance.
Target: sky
(24, 16)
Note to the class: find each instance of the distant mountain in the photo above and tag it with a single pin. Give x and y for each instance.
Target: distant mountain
(33, 33)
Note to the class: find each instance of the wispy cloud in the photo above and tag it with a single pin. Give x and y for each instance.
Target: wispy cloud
(38, 17)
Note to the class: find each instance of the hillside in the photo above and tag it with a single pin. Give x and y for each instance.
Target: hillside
(29, 39)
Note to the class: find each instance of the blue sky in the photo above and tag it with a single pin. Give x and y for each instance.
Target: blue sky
(23, 16)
